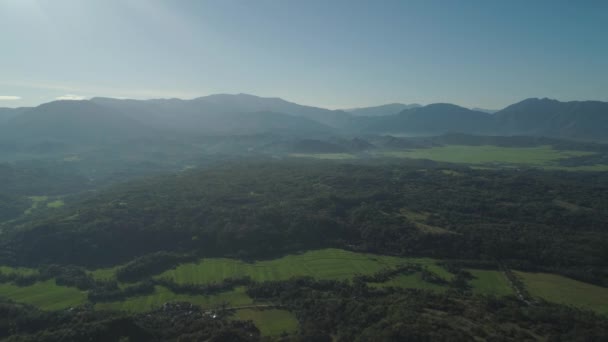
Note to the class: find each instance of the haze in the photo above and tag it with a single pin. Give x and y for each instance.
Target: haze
(338, 54)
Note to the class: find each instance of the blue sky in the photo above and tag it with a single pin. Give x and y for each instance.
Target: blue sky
(336, 54)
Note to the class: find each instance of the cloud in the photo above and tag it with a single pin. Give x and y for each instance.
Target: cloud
(9, 98)
(70, 97)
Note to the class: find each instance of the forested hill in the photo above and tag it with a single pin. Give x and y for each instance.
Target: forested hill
(256, 210)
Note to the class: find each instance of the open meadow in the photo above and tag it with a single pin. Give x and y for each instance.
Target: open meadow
(558, 289)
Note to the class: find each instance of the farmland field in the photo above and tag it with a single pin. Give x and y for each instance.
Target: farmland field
(559, 289)
(483, 156)
(321, 264)
(487, 154)
(271, 322)
(45, 295)
(490, 282)
(324, 155)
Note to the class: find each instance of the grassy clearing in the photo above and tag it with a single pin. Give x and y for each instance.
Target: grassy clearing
(410, 281)
(323, 155)
(419, 219)
(544, 156)
(559, 289)
(40, 201)
(271, 322)
(490, 282)
(104, 273)
(36, 202)
(46, 295)
(237, 297)
(18, 270)
(55, 204)
(320, 264)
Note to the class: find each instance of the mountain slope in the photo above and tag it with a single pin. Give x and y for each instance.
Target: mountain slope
(181, 114)
(387, 109)
(74, 121)
(8, 113)
(586, 120)
(436, 118)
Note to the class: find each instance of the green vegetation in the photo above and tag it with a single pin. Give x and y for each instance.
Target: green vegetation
(544, 156)
(36, 202)
(271, 322)
(55, 204)
(161, 295)
(320, 264)
(419, 220)
(338, 156)
(410, 281)
(490, 282)
(18, 270)
(558, 289)
(46, 295)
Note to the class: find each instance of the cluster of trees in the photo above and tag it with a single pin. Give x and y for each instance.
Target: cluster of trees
(172, 322)
(526, 219)
(110, 291)
(340, 311)
(226, 284)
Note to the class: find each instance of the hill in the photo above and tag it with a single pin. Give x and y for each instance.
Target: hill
(433, 119)
(182, 114)
(8, 113)
(72, 121)
(387, 109)
(585, 120)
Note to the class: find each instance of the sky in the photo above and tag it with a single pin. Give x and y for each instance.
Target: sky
(327, 53)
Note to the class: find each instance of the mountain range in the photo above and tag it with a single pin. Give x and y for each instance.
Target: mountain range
(108, 119)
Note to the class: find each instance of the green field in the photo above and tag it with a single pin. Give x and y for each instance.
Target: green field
(39, 201)
(18, 270)
(559, 289)
(45, 295)
(321, 264)
(237, 297)
(271, 322)
(323, 155)
(544, 156)
(490, 282)
(55, 204)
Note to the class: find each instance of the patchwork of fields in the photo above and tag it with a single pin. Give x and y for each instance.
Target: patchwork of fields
(321, 264)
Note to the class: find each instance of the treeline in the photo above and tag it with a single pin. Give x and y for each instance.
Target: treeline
(341, 311)
(253, 210)
(172, 322)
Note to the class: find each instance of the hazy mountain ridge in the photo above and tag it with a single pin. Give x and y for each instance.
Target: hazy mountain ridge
(436, 118)
(223, 114)
(382, 110)
(74, 121)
